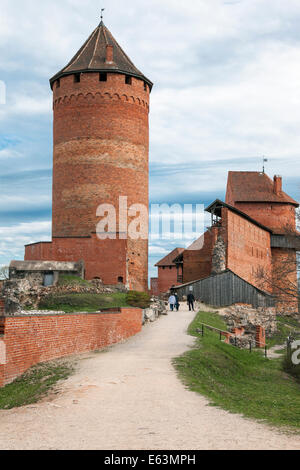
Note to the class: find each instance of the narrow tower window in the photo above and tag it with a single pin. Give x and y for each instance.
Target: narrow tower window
(103, 77)
(145, 86)
(77, 78)
(58, 83)
(128, 80)
(120, 280)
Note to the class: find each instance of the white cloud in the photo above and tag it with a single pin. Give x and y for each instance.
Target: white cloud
(227, 86)
(13, 238)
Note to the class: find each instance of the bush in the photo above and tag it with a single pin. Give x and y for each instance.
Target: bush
(138, 299)
(289, 367)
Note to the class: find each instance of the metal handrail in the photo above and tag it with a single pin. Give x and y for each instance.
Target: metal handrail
(223, 333)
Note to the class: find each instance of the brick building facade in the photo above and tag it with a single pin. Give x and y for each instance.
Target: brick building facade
(249, 234)
(100, 152)
(168, 274)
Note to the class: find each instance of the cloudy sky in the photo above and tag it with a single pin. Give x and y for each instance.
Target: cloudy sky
(227, 91)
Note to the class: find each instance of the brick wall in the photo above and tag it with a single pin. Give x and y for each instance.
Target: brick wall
(167, 277)
(29, 340)
(197, 263)
(1, 306)
(248, 247)
(278, 217)
(104, 259)
(260, 337)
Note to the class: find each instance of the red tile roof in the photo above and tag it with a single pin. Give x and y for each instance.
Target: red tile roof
(253, 186)
(168, 260)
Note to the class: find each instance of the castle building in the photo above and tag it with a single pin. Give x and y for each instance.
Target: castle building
(100, 152)
(168, 274)
(252, 235)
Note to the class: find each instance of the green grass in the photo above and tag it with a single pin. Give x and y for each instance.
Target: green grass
(68, 279)
(71, 303)
(34, 384)
(286, 326)
(238, 381)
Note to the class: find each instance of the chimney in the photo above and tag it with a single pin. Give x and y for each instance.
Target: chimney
(109, 54)
(277, 184)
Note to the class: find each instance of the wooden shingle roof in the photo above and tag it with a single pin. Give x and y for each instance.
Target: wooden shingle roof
(91, 57)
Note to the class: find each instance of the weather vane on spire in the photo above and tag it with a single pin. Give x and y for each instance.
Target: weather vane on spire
(102, 10)
(264, 161)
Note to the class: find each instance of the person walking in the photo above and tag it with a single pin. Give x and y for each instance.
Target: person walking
(172, 301)
(191, 300)
(177, 304)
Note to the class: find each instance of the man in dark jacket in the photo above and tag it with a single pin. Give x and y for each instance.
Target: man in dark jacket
(191, 300)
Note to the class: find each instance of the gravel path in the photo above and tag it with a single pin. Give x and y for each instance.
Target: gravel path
(130, 398)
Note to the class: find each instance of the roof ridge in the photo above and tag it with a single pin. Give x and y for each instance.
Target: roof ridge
(96, 43)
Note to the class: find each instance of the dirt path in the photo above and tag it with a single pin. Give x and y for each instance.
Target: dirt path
(130, 398)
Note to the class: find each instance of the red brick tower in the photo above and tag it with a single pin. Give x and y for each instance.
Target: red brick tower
(101, 152)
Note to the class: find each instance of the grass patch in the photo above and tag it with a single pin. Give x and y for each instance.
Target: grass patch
(286, 326)
(34, 384)
(72, 303)
(236, 380)
(69, 280)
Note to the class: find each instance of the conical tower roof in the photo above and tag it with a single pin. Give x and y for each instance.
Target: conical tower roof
(92, 57)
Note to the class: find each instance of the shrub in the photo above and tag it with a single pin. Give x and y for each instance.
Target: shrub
(138, 299)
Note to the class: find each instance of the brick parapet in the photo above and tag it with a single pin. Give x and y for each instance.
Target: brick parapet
(32, 339)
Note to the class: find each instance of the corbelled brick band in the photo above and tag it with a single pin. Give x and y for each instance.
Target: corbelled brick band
(32, 339)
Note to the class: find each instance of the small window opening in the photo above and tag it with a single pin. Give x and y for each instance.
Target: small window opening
(128, 80)
(103, 77)
(77, 78)
(120, 279)
(58, 83)
(48, 279)
(145, 86)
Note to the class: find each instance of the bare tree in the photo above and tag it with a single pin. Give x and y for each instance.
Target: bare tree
(4, 273)
(283, 281)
